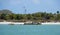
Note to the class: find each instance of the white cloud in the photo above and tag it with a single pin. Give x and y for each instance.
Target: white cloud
(36, 1)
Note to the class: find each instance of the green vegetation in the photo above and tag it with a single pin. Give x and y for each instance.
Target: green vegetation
(5, 11)
(38, 16)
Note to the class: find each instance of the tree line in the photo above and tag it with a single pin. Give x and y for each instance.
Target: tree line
(38, 16)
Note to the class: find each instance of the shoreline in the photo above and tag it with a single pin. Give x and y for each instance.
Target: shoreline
(22, 23)
(51, 23)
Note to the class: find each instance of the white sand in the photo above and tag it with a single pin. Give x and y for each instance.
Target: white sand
(11, 23)
(45, 23)
(51, 23)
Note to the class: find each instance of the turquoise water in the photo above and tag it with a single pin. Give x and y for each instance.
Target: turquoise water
(29, 29)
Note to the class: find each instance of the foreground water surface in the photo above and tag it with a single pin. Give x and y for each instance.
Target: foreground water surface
(29, 29)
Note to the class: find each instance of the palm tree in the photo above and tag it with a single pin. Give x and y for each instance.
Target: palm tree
(57, 12)
(57, 15)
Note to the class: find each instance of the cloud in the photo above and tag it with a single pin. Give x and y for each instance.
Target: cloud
(36, 1)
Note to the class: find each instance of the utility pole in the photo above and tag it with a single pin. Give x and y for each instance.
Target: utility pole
(25, 10)
(25, 13)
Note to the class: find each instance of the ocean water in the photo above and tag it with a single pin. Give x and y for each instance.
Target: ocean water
(29, 29)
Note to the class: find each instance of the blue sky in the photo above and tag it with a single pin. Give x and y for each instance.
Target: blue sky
(17, 6)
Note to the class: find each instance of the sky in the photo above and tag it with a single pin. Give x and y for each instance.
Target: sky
(31, 6)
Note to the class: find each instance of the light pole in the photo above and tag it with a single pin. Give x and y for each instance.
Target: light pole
(25, 13)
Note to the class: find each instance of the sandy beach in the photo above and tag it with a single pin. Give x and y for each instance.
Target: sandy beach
(51, 23)
(11, 23)
(45, 23)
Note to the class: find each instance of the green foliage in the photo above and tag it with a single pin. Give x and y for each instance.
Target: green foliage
(33, 16)
(5, 11)
(57, 12)
(7, 17)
